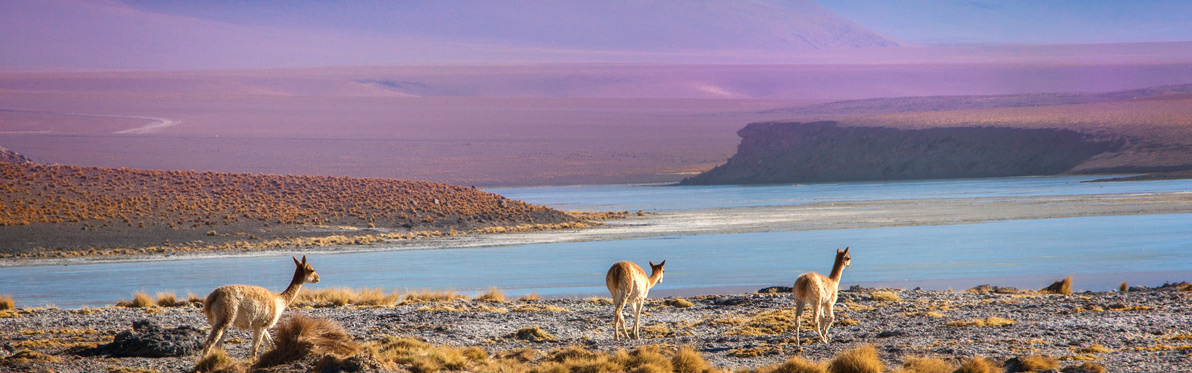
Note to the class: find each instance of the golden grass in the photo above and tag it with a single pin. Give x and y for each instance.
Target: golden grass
(139, 300)
(884, 296)
(341, 297)
(532, 334)
(988, 321)
(528, 297)
(6, 302)
(1085, 367)
(299, 336)
(537, 308)
(1124, 287)
(922, 364)
(168, 299)
(430, 296)
(1036, 363)
(217, 361)
(678, 302)
(599, 300)
(460, 307)
(1095, 349)
(686, 360)
(861, 359)
(978, 364)
(794, 365)
(773, 322)
(494, 295)
(1060, 287)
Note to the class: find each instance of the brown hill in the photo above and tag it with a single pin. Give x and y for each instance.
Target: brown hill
(44, 207)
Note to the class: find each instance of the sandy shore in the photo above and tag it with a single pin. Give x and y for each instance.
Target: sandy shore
(815, 216)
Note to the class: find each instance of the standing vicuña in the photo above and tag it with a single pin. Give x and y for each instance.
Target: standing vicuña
(627, 282)
(251, 307)
(820, 292)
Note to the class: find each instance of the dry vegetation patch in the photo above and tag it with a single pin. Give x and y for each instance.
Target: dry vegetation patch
(340, 297)
(988, 321)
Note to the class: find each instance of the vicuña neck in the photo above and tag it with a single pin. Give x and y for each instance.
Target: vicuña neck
(837, 270)
(653, 280)
(291, 291)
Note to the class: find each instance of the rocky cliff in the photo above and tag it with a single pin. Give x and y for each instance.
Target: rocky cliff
(786, 152)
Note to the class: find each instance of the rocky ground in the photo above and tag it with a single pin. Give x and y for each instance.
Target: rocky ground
(1144, 330)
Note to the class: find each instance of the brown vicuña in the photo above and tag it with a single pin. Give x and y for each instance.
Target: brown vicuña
(251, 307)
(627, 282)
(820, 292)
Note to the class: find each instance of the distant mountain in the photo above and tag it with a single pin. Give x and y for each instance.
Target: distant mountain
(180, 34)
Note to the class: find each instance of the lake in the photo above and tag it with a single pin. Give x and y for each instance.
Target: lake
(1101, 251)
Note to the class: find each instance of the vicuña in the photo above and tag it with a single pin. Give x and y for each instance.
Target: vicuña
(627, 282)
(252, 307)
(820, 292)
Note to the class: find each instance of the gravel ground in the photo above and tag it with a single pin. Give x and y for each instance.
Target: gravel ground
(1144, 330)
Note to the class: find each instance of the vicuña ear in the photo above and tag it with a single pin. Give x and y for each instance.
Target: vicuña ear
(662, 264)
(846, 249)
(296, 260)
(304, 259)
(651, 263)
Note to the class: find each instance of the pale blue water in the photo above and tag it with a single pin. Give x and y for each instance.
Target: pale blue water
(668, 197)
(1101, 251)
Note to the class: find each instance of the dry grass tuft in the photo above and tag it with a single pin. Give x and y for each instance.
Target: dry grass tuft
(533, 334)
(926, 365)
(678, 303)
(535, 308)
(217, 361)
(1085, 367)
(340, 297)
(6, 303)
(528, 297)
(988, 321)
(686, 360)
(1124, 287)
(862, 359)
(1033, 363)
(168, 299)
(139, 300)
(1095, 349)
(1060, 287)
(978, 364)
(884, 296)
(430, 296)
(494, 295)
(773, 322)
(599, 300)
(299, 336)
(795, 365)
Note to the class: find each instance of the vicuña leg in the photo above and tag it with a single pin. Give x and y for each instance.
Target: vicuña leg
(829, 318)
(257, 337)
(215, 338)
(798, 317)
(637, 319)
(619, 320)
(817, 316)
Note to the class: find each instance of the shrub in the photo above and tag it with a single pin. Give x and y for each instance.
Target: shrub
(531, 296)
(796, 365)
(686, 360)
(430, 296)
(299, 336)
(533, 334)
(217, 361)
(1085, 367)
(927, 365)
(884, 296)
(139, 300)
(862, 359)
(1095, 349)
(1060, 287)
(168, 299)
(1031, 363)
(1124, 287)
(978, 364)
(6, 302)
(678, 303)
(493, 295)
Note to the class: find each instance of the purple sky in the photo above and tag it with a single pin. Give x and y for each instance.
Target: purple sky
(187, 34)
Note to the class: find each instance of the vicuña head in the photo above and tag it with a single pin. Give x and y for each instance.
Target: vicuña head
(820, 292)
(252, 307)
(627, 283)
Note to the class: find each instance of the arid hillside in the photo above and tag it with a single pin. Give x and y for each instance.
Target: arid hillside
(55, 209)
(1138, 131)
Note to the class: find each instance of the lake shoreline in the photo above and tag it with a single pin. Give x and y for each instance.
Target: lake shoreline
(840, 215)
